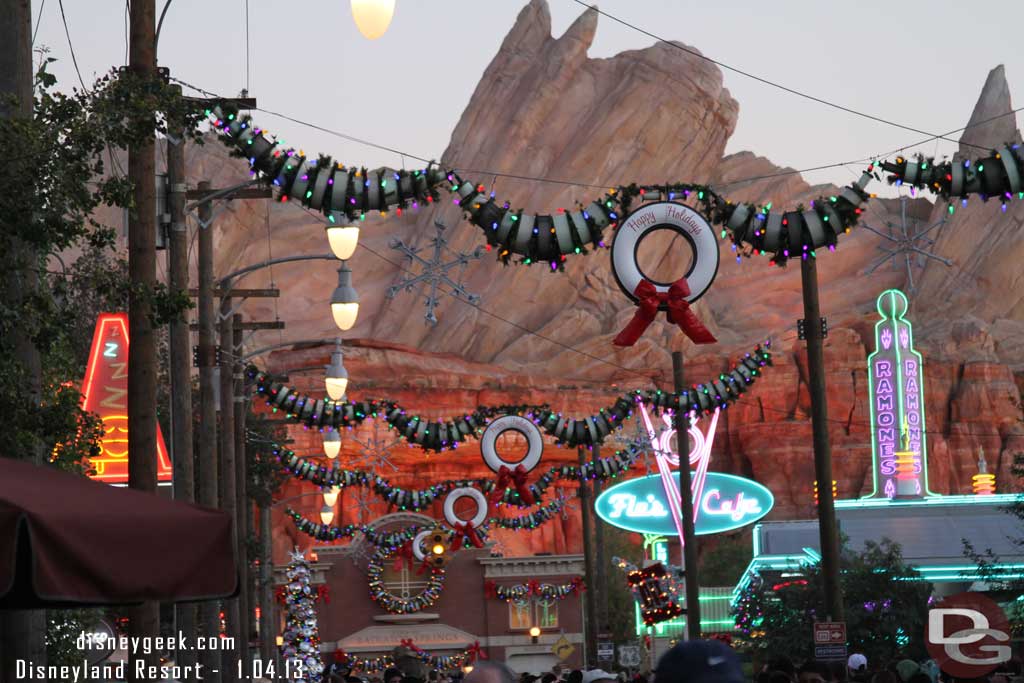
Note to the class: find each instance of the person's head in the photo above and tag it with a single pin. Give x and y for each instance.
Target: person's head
(837, 671)
(922, 677)
(785, 665)
(392, 676)
(906, 668)
(885, 677)
(777, 676)
(857, 663)
(548, 678)
(490, 672)
(699, 661)
(575, 676)
(814, 671)
(598, 676)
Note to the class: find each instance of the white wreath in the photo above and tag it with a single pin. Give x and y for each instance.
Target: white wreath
(505, 423)
(449, 507)
(682, 219)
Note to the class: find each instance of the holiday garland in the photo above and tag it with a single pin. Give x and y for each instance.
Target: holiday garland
(343, 193)
(416, 500)
(437, 662)
(542, 591)
(393, 603)
(567, 431)
(999, 176)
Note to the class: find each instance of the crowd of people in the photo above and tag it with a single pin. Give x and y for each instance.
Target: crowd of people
(712, 661)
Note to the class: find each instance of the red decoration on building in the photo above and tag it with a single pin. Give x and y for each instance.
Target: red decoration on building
(649, 302)
(105, 392)
(474, 652)
(323, 593)
(514, 477)
(465, 533)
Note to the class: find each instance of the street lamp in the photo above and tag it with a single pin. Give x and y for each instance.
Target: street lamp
(332, 442)
(331, 496)
(373, 16)
(336, 381)
(343, 239)
(345, 300)
(534, 634)
(326, 514)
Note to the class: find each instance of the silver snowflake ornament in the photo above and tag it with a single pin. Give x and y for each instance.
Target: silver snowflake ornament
(910, 244)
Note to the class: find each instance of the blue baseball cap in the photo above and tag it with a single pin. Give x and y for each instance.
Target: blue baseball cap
(700, 661)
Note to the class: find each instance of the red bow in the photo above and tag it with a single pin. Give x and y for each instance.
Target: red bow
(533, 587)
(324, 593)
(465, 533)
(475, 652)
(679, 313)
(578, 585)
(490, 590)
(424, 566)
(403, 556)
(516, 477)
(280, 595)
(340, 656)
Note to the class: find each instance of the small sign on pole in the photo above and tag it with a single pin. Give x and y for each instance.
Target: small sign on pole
(830, 640)
(563, 649)
(605, 650)
(629, 656)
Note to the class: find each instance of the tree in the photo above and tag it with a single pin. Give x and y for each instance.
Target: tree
(886, 607)
(301, 646)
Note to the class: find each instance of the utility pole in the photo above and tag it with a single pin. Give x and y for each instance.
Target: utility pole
(241, 490)
(209, 613)
(602, 561)
(590, 611)
(21, 631)
(228, 485)
(144, 620)
(268, 609)
(827, 530)
(180, 356)
(689, 539)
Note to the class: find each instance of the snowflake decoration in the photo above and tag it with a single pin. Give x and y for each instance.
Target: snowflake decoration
(357, 505)
(565, 504)
(638, 438)
(375, 452)
(497, 548)
(435, 272)
(909, 242)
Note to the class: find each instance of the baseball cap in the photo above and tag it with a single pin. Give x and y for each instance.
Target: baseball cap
(597, 675)
(856, 661)
(700, 661)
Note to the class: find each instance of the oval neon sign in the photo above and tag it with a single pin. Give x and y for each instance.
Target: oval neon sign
(727, 502)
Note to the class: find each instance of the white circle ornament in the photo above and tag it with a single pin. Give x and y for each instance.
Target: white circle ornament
(417, 544)
(481, 506)
(512, 423)
(679, 218)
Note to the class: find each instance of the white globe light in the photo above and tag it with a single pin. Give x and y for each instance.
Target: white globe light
(345, 315)
(336, 379)
(332, 442)
(326, 514)
(336, 387)
(331, 497)
(373, 16)
(343, 240)
(345, 300)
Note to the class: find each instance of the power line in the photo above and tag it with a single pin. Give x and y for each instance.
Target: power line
(39, 21)
(71, 47)
(761, 79)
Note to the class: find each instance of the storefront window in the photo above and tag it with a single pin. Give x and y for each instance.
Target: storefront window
(547, 613)
(524, 614)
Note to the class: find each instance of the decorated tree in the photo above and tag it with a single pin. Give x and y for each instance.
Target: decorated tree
(301, 646)
(886, 607)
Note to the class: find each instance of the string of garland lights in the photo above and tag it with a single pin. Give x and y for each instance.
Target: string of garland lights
(437, 662)
(657, 589)
(415, 500)
(347, 194)
(999, 176)
(533, 588)
(442, 435)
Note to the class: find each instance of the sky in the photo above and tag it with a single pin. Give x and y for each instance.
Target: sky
(921, 64)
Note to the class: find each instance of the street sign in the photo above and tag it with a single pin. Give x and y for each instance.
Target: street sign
(563, 649)
(629, 655)
(830, 633)
(830, 652)
(605, 650)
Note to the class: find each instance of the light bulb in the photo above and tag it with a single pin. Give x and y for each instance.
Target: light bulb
(336, 376)
(438, 549)
(326, 514)
(344, 300)
(336, 387)
(343, 240)
(331, 496)
(373, 17)
(332, 443)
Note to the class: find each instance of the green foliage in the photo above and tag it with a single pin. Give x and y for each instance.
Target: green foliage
(724, 564)
(886, 607)
(63, 629)
(265, 472)
(621, 606)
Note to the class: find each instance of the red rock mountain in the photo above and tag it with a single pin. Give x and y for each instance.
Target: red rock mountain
(544, 108)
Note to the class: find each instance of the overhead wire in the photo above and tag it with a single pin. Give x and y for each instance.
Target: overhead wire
(39, 21)
(71, 46)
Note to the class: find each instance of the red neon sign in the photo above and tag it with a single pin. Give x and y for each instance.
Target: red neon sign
(105, 392)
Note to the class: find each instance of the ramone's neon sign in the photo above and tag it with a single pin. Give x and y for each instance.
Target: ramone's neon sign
(653, 504)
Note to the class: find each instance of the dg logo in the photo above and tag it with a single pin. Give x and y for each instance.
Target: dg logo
(968, 635)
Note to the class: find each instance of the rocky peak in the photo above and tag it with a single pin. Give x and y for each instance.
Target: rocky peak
(991, 123)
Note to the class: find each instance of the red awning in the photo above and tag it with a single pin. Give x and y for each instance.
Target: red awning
(69, 541)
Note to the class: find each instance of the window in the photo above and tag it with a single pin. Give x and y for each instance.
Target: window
(524, 614)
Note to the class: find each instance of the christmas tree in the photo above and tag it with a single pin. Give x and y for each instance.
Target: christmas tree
(301, 646)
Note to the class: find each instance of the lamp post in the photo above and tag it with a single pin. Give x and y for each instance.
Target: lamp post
(535, 634)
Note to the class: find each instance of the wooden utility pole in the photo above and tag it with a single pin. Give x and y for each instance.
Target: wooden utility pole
(268, 608)
(144, 620)
(241, 490)
(590, 611)
(209, 612)
(228, 485)
(601, 559)
(827, 531)
(689, 539)
(21, 631)
(181, 359)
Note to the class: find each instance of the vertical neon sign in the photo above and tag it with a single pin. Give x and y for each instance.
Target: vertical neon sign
(895, 387)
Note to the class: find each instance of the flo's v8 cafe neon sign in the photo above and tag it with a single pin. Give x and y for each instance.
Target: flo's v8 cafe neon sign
(727, 502)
